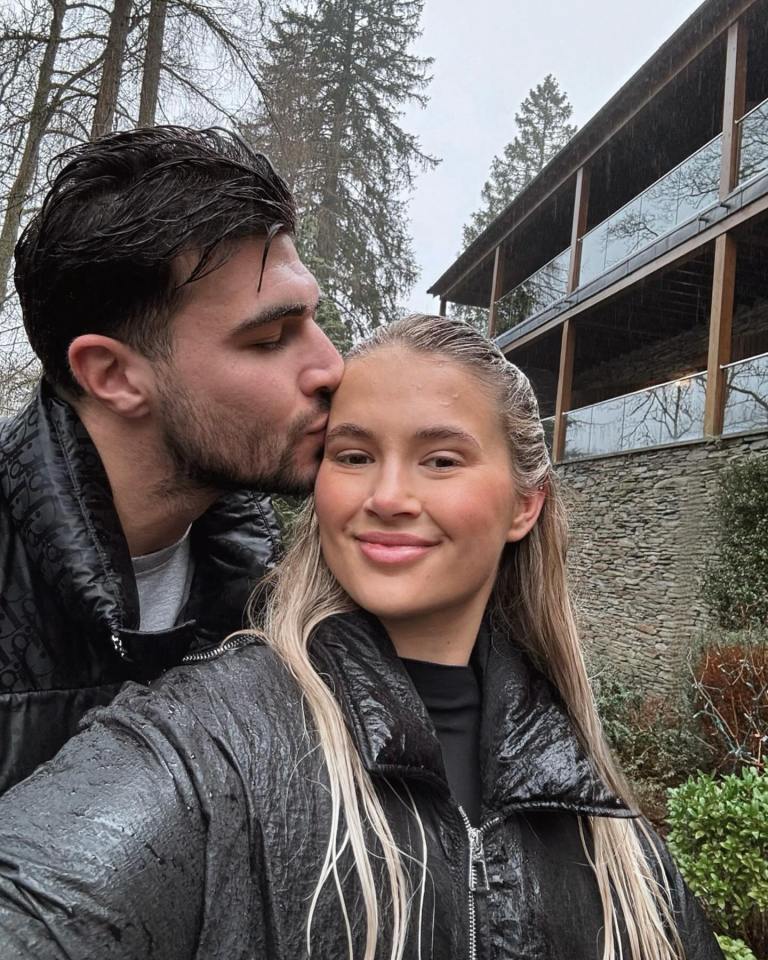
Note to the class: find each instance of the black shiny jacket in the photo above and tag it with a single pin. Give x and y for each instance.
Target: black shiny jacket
(191, 819)
(68, 601)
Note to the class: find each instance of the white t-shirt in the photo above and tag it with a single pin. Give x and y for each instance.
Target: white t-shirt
(163, 579)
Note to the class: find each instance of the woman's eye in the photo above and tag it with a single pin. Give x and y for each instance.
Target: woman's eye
(442, 461)
(352, 458)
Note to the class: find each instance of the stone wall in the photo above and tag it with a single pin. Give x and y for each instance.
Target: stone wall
(642, 529)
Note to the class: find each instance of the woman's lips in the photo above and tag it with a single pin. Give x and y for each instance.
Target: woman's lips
(390, 548)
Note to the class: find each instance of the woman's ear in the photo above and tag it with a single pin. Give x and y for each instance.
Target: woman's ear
(527, 510)
(111, 373)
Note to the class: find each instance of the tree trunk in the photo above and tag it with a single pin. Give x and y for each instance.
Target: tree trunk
(327, 225)
(38, 122)
(150, 81)
(106, 101)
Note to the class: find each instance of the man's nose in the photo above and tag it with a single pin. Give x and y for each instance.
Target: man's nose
(324, 370)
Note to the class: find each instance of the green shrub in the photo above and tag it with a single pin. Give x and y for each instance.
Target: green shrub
(719, 838)
(735, 949)
(736, 580)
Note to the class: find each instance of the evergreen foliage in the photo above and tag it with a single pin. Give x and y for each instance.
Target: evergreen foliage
(736, 580)
(336, 76)
(542, 131)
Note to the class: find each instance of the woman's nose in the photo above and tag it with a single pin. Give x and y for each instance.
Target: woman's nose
(392, 494)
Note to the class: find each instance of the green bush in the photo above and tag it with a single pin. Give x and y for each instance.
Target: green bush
(735, 585)
(719, 838)
(735, 949)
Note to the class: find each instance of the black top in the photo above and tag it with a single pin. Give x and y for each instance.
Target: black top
(451, 695)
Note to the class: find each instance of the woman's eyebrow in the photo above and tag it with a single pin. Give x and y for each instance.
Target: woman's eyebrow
(447, 433)
(348, 430)
(440, 432)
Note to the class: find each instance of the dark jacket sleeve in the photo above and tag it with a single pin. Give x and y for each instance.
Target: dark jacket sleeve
(129, 843)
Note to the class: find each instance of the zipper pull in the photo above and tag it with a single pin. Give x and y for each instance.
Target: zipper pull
(478, 870)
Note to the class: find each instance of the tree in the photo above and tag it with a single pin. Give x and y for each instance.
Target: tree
(542, 131)
(337, 74)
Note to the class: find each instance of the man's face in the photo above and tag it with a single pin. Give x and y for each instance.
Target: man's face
(243, 398)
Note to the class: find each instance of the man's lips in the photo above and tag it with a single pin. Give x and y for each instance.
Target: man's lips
(319, 426)
(392, 547)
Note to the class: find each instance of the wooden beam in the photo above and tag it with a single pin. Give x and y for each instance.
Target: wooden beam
(564, 388)
(442, 306)
(580, 210)
(734, 104)
(496, 282)
(668, 259)
(720, 323)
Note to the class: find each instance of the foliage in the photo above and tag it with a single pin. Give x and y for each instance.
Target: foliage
(542, 131)
(287, 510)
(731, 692)
(719, 839)
(336, 76)
(736, 581)
(734, 949)
(652, 738)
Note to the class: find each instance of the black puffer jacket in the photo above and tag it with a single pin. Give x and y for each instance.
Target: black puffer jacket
(68, 598)
(190, 820)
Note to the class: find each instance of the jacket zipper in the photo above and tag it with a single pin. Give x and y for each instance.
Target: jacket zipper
(213, 653)
(477, 877)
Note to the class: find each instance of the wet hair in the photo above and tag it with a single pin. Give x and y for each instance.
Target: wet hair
(99, 255)
(531, 603)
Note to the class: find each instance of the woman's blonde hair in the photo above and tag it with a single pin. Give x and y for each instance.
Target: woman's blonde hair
(530, 597)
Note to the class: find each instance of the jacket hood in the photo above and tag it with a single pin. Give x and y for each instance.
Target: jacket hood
(532, 756)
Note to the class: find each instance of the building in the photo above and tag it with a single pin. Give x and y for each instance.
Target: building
(630, 281)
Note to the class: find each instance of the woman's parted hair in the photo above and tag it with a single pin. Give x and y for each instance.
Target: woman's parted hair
(98, 256)
(531, 603)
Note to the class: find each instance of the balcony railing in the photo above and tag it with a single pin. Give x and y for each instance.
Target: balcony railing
(667, 413)
(679, 195)
(746, 396)
(753, 158)
(546, 286)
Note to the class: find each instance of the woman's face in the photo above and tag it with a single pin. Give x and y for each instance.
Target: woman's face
(415, 497)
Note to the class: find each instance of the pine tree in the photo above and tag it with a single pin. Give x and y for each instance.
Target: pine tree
(337, 74)
(542, 131)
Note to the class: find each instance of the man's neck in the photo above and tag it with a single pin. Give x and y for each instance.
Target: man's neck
(153, 511)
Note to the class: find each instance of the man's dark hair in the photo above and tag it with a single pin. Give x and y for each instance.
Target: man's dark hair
(98, 257)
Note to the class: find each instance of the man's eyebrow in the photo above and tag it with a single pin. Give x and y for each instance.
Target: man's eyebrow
(270, 314)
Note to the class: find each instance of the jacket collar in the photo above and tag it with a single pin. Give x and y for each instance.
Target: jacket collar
(532, 758)
(60, 499)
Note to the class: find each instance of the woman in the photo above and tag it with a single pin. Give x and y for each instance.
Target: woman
(407, 764)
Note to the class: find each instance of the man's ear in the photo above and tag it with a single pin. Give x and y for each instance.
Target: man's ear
(527, 510)
(112, 373)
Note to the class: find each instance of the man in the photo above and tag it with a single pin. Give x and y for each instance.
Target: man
(182, 369)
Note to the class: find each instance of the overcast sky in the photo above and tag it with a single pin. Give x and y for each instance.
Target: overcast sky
(488, 54)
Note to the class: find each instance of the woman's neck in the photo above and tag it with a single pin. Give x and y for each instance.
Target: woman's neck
(445, 636)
